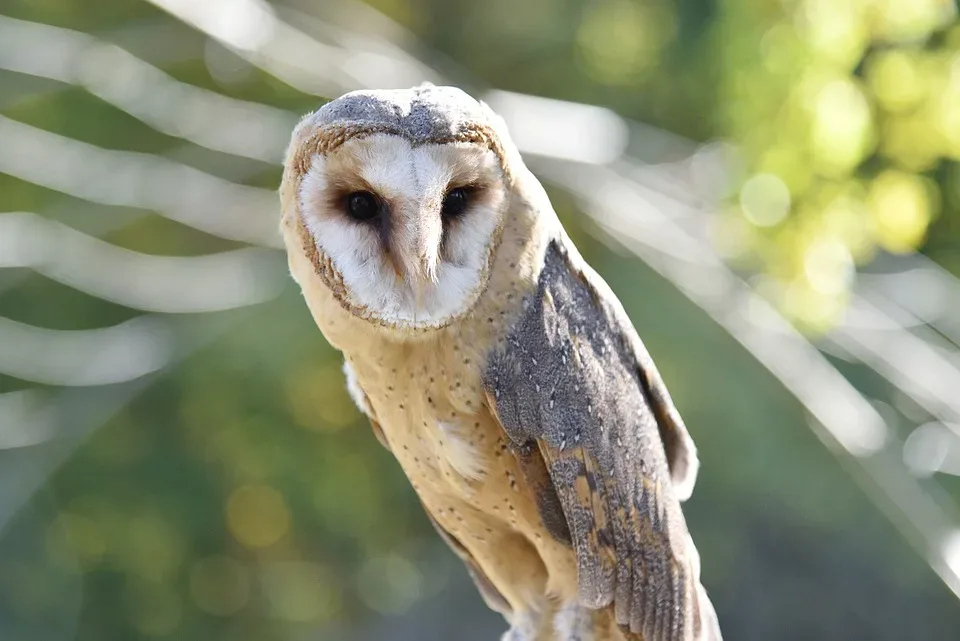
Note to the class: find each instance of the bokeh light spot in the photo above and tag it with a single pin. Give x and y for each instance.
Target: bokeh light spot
(836, 30)
(895, 80)
(765, 200)
(911, 20)
(901, 210)
(390, 584)
(74, 542)
(842, 128)
(257, 515)
(912, 142)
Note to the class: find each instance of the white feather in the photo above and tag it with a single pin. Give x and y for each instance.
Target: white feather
(356, 392)
(460, 454)
(573, 621)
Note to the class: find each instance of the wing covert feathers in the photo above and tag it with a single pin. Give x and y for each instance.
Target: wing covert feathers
(573, 379)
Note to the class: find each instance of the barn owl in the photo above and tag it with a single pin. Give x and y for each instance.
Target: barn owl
(497, 367)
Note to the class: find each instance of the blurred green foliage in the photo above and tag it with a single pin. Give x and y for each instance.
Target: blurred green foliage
(242, 496)
(847, 117)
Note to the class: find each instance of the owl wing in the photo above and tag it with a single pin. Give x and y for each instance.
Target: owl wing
(574, 382)
(494, 600)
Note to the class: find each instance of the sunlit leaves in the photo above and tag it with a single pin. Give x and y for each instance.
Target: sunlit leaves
(909, 20)
(835, 32)
(896, 79)
(901, 208)
(851, 106)
(841, 132)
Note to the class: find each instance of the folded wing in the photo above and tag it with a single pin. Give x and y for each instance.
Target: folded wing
(574, 381)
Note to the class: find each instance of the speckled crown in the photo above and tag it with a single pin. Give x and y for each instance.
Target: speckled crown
(423, 114)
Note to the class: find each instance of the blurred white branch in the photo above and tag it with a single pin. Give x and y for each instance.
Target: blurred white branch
(921, 287)
(170, 284)
(910, 363)
(600, 136)
(179, 192)
(145, 92)
(252, 29)
(84, 357)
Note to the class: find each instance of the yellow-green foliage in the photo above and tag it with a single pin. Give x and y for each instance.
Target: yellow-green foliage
(844, 111)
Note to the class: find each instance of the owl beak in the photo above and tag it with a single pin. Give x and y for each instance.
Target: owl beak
(416, 275)
(419, 274)
(421, 263)
(417, 258)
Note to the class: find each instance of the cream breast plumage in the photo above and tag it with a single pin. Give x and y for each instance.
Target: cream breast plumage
(498, 368)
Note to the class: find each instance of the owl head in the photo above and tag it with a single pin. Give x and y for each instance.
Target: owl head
(398, 198)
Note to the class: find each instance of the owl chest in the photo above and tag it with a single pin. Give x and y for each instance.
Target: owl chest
(439, 445)
(438, 427)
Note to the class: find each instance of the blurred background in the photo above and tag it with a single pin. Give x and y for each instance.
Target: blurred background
(772, 188)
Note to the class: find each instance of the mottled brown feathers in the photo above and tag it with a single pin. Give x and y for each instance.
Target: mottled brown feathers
(568, 379)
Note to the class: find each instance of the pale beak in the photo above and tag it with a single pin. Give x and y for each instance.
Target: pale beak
(417, 258)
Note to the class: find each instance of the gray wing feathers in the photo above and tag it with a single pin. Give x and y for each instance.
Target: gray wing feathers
(574, 378)
(679, 447)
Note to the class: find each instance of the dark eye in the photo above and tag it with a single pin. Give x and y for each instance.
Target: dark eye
(362, 205)
(455, 203)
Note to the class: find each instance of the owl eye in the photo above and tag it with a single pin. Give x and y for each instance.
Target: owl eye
(455, 203)
(362, 205)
